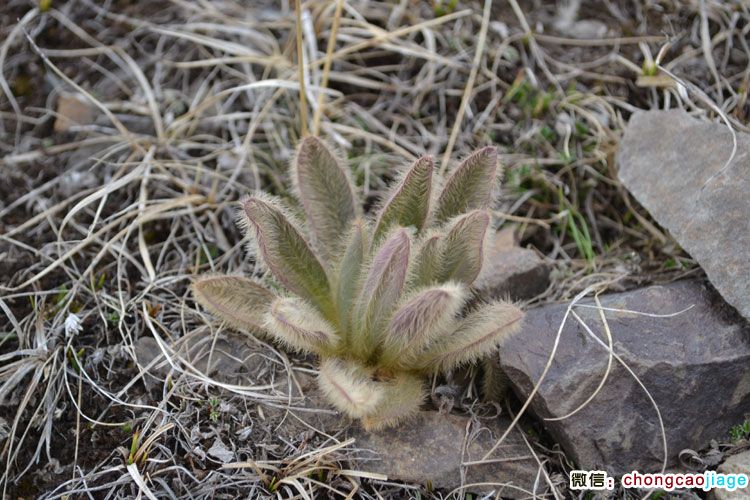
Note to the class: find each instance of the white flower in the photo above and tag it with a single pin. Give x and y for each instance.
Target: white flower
(72, 325)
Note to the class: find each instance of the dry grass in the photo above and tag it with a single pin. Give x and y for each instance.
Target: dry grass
(194, 104)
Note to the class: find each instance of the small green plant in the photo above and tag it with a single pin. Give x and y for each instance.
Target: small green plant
(75, 357)
(134, 443)
(113, 317)
(213, 410)
(649, 68)
(444, 7)
(578, 229)
(379, 299)
(533, 102)
(740, 431)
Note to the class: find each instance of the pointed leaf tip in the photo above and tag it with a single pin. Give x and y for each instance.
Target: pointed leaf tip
(241, 302)
(470, 186)
(326, 192)
(408, 201)
(479, 334)
(285, 251)
(421, 319)
(463, 247)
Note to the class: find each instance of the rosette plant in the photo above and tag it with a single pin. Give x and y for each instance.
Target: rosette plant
(381, 299)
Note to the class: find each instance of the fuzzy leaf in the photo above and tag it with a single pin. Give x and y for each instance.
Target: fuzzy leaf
(462, 253)
(298, 325)
(405, 394)
(350, 388)
(428, 265)
(349, 272)
(470, 186)
(285, 252)
(408, 203)
(479, 334)
(326, 192)
(241, 302)
(423, 317)
(381, 289)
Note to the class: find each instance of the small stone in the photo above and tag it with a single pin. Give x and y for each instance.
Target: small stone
(428, 450)
(735, 464)
(666, 159)
(567, 23)
(511, 272)
(72, 110)
(587, 29)
(220, 451)
(693, 364)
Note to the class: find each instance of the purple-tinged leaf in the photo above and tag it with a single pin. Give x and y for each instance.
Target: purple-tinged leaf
(470, 186)
(326, 192)
(298, 325)
(349, 273)
(285, 252)
(462, 253)
(408, 201)
(241, 302)
(479, 334)
(421, 319)
(381, 289)
(350, 387)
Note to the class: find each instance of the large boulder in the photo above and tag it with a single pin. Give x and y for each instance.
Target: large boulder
(665, 160)
(695, 365)
(432, 451)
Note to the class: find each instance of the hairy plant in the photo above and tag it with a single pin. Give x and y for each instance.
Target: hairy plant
(380, 299)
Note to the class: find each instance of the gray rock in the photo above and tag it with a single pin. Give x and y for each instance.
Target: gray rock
(220, 451)
(665, 159)
(512, 272)
(736, 464)
(230, 359)
(695, 366)
(429, 450)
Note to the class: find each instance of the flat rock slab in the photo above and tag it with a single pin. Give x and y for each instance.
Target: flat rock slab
(430, 450)
(695, 366)
(665, 159)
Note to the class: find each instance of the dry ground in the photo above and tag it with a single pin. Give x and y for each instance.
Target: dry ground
(190, 105)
